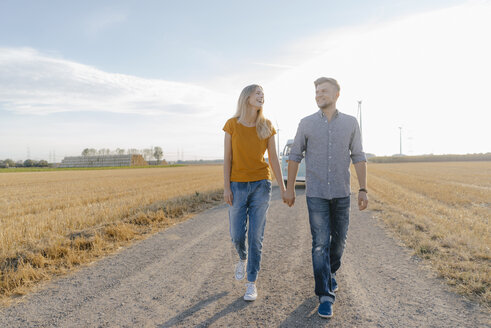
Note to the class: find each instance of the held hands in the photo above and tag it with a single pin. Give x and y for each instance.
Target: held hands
(228, 196)
(362, 200)
(288, 196)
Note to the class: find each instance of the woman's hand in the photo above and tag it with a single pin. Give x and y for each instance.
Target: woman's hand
(283, 191)
(228, 196)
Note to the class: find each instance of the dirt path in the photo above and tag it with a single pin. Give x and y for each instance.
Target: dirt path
(184, 277)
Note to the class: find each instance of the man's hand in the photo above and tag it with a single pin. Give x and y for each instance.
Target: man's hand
(289, 197)
(228, 196)
(362, 200)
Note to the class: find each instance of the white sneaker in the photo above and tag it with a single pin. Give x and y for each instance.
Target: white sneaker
(251, 292)
(240, 270)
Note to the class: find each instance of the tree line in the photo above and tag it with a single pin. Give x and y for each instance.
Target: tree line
(6, 163)
(432, 158)
(147, 153)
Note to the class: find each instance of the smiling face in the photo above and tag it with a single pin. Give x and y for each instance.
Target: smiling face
(256, 99)
(326, 95)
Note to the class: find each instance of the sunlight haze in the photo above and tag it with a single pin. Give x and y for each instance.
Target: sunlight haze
(128, 75)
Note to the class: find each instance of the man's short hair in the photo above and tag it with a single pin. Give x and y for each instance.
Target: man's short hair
(328, 80)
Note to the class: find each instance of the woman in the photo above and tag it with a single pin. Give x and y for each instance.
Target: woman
(247, 177)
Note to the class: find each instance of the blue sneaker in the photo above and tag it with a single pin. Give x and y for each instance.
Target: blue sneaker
(334, 284)
(325, 310)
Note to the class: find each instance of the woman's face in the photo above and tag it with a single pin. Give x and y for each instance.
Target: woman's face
(256, 99)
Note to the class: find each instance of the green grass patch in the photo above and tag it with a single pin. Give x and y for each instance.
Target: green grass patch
(43, 169)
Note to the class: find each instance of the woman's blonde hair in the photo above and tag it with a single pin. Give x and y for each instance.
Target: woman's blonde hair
(263, 125)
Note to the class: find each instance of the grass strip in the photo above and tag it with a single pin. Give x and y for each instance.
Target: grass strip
(42, 169)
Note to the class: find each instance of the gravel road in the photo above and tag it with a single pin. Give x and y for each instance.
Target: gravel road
(183, 277)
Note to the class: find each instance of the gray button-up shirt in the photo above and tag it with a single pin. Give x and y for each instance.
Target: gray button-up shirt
(328, 147)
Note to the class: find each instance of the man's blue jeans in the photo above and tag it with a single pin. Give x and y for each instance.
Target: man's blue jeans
(250, 202)
(329, 220)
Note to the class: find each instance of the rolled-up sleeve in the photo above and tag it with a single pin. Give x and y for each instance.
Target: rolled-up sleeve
(299, 144)
(356, 148)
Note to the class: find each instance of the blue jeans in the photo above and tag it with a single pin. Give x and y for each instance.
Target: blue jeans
(329, 219)
(250, 202)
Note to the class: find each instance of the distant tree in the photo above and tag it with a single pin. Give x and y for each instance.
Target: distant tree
(133, 151)
(29, 163)
(42, 163)
(119, 151)
(158, 153)
(19, 163)
(147, 153)
(85, 152)
(9, 163)
(92, 152)
(101, 151)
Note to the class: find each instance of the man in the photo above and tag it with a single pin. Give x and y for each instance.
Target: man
(330, 140)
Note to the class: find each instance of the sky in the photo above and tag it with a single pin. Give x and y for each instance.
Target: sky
(138, 74)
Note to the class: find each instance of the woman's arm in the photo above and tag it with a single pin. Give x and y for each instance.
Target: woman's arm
(227, 168)
(275, 164)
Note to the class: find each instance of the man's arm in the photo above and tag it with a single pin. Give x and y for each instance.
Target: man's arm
(289, 197)
(360, 162)
(361, 174)
(294, 159)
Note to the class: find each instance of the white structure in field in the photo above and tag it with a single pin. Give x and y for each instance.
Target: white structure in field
(103, 160)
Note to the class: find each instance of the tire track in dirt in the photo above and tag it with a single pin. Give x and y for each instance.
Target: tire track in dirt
(155, 289)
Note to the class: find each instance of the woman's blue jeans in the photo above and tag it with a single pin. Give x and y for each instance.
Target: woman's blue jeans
(329, 220)
(250, 203)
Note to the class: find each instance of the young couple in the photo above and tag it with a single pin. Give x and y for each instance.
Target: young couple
(329, 140)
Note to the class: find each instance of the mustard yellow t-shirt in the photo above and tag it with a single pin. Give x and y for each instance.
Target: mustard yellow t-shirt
(248, 150)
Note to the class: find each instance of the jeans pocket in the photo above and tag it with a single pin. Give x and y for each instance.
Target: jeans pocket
(269, 186)
(344, 203)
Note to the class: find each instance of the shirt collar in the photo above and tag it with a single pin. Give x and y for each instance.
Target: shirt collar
(321, 113)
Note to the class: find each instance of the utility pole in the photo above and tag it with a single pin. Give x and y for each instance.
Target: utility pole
(400, 140)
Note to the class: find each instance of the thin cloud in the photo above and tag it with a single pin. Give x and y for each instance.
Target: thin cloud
(98, 22)
(275, 65)
(35, 83)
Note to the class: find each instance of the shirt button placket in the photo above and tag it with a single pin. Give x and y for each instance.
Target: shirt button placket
(329, 151)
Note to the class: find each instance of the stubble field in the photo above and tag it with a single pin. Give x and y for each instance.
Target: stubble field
(442, 211)
(52, 221)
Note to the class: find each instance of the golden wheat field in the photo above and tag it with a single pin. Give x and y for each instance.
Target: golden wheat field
(50, 221)
(442, 211)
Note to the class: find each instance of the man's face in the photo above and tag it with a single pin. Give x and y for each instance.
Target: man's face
(326, 95)
(256, 99)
